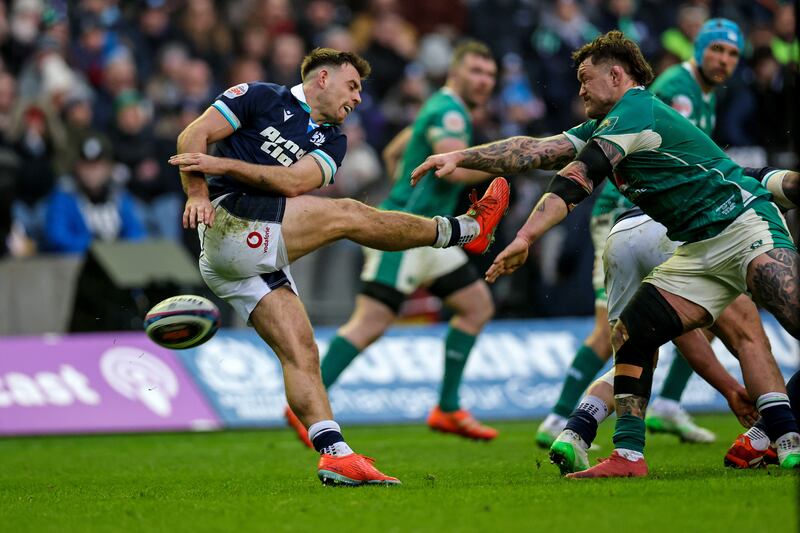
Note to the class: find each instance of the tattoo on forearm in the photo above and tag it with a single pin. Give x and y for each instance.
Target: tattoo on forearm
(612, 152)
(519, 154)
(775, 285)
(631, 405)
(578, 172)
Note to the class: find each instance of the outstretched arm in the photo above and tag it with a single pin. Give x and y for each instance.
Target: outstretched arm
(509, 156)
(569, 187)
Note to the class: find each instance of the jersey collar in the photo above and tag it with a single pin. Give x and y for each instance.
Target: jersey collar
(300, 95)
(452, 94)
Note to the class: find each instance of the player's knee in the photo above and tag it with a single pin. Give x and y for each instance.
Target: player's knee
(646, 323)
(347, 214)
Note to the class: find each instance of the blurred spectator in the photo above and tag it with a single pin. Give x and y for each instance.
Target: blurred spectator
(157, 197)
(23, 27)
(404, 100)
(153, 31)
(389, 50)
(197, 85)
(8, 95)
(519, 107)
(245, 70)
(254, 43)
(288, 51)
(202, 32)
(36, 135)
(77, 116)
(785, 46)
(621, 14)
(90, 206)
(318, 17)
(361, 168)
(119, 75)
(338, 38)
(679, 40)
(448, 16)
(505, 25)
(164, 88)
(276, 17)
(563, 29)
(755, 113)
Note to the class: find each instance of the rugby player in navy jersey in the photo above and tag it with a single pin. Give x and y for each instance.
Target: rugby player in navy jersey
(249, 205)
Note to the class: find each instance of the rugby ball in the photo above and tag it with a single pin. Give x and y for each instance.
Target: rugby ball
(181, 322)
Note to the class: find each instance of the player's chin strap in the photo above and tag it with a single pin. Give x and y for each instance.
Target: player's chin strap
(650, 322)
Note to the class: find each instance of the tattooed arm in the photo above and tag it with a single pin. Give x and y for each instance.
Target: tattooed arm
(509, 156)
(570, 186)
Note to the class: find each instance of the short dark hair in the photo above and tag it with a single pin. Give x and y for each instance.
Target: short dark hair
(470, 46)
(320, 57)
(616, 48)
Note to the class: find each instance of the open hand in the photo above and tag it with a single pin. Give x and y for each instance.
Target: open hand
(198, 209)
(443, 163)
(199, 162)
(511, 258)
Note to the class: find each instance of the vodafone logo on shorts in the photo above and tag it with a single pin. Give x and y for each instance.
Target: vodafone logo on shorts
(257, 240)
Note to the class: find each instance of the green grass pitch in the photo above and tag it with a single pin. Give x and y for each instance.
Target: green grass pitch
(265, 481)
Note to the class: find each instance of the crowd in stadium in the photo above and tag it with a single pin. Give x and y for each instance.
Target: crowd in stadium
(93, 94)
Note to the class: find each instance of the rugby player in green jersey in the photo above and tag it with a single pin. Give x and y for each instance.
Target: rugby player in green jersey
(735, 239)
(443, 125)
(689, 89)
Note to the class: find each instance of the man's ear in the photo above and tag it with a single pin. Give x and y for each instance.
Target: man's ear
(617, 74)
(322, 78)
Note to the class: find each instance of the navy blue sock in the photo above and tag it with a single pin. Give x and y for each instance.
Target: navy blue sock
(776, 414)
(584, 424)
(793, 391)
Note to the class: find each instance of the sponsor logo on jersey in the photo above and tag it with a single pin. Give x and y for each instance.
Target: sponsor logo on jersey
(256, 239)
(287, 115)
(683, 105)
(283, 150)
(318, 138)
(237, 90)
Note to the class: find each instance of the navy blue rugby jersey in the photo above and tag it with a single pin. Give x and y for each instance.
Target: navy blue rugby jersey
(272, 126)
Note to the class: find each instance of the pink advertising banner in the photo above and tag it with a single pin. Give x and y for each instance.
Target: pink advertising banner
(105, 382)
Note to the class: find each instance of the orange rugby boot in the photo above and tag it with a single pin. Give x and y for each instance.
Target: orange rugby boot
(614, 466)
(351, 470)
(742, 454)
(298, 427)
(488, 211)
(460, 422)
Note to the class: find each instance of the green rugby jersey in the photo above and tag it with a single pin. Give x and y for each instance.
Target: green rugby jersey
(673, 171)
(609, 201)
(443, 115)
(678, 88)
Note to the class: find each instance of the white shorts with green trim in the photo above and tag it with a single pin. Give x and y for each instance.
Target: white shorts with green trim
(599, 227)
(408, 270)
(713, 272)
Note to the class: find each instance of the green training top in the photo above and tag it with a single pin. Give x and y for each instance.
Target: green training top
(670, 169)
(443, 115)
(677, 87)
